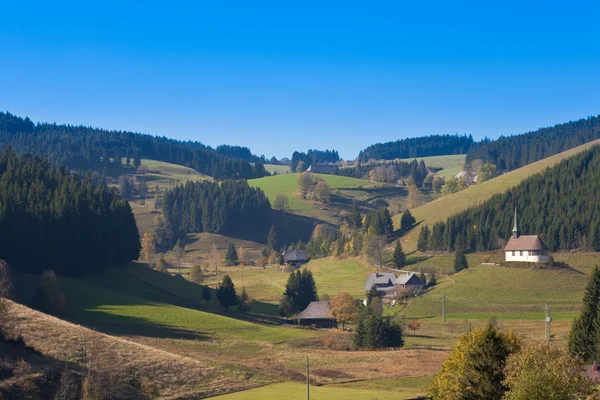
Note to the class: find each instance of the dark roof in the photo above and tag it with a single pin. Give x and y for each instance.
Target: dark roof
(315, 310)
(408, 279)
(525, 242)
(295, 255)
(380, 279)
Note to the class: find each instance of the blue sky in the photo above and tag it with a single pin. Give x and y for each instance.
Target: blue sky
(283, 76)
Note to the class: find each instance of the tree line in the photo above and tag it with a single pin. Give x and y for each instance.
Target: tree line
(386, 173)
(561, 205)
(231, 206)
(512, 152)
(425, 146)
(51, 219)
(312, 157)
(85, 148)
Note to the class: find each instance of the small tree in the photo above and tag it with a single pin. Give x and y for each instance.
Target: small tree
(460, 261)
(376, 249)
(274, 258)
(48, 297)
(161, 265)
(206, 296)
(423, 239)
(281, 202)
(344, 308)
(323, 192)
(242, 256)
(407, 220)
(414, 326)
(226, 293)
(244, 302)
(196, 274)
(432, 280)
(437, 183)
(305, 184)
(398, 258)
(231, 255)
(300, 166)
(263, 261)
(179, 252)
(215, 259)
(148, 247)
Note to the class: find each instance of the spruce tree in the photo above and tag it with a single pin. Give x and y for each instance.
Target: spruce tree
(398, 258)
(206, 296)
(423, 239)
(407, 220)
(243, 304)
(585, 330)
(460, 261)
(226, 293)
(231, 255)
(272, 239)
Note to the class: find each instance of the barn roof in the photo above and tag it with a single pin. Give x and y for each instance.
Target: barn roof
(380, 279)
(525, 242)
(295, 255)
(408, 279)
(315, 310)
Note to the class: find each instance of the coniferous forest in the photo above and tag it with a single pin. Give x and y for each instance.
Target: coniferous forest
(229, 207)
(426, 146)
(562, 205)
(512, 152)
(72, 225)
(314, 157)
(84, 148)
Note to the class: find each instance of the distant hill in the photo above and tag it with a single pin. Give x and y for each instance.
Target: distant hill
(85, 148)
(425, 146)
(512, 152)
(442, 208)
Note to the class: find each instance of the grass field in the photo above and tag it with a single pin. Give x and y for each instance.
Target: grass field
(167, 175)
(279, 169)
(401, 389)
(444, 207)
(450, 164)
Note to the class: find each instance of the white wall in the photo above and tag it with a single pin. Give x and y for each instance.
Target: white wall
(526, 257)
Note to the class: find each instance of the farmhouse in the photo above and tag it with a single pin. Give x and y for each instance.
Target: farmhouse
(317, 314)
(384, 282)
(409, 280)
(526, 248)
(295, 258)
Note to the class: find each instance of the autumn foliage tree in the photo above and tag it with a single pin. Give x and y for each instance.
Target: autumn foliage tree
(148, 247)
(414, 326)
(344, 308)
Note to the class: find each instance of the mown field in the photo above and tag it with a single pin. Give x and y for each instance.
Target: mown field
(444, 207)
(450, 164)
(279, 169)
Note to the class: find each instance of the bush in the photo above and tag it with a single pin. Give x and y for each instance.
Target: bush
(48, 298)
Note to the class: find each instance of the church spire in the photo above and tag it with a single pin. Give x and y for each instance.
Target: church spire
(515, 231)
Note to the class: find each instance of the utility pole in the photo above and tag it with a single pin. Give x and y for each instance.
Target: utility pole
(500, 316)
(444, 307)
(548, 321)
(521, 323)
(307, 380)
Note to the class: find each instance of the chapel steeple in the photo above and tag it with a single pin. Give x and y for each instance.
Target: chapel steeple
(515, 231)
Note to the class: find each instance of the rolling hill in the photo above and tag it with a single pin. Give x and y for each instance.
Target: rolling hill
(442, 208)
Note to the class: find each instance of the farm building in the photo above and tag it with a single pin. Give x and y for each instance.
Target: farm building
(526, 248)
(294, 258)
(384, 282)
(317, 315)
(321, 168)
(409, 281)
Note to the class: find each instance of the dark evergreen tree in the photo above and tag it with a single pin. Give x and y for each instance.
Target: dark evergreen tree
(231, 256)
(243, 303)
(423, 239)
(380, 221)
(377, 332)
(585, 330)
(398, 258)
(226, 295)
(460, 261)
(206, 296)
(407, 220)
(300, 290)
(272, 239)
(355, 216)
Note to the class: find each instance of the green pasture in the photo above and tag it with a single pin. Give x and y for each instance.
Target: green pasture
(279, 169)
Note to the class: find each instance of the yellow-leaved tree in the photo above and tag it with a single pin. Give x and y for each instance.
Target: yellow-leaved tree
(344, 308)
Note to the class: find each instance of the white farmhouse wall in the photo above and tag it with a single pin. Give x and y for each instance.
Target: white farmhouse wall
(526, 257)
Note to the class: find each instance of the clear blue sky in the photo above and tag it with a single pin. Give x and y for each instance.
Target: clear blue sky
(282, 76)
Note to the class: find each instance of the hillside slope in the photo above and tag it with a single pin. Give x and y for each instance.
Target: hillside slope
(440, 209)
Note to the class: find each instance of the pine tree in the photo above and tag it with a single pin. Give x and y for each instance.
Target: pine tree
(226, 293)
(231, 255)
(398, 258)
(407, 220)
(585, 330)
(272, 239)
(460, 261)
(243, 304)
(423, 239)
(206, 296)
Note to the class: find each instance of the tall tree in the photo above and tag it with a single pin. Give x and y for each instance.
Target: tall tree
(423, 238)
(272, 239)
(179, 252)
(231, 256)
(585, 330)
(148, 247)
(398, 257)
(460, 261)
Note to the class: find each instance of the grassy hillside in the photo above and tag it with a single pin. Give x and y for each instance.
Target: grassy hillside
(279, 169)
(442, 208)
(450, 164)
